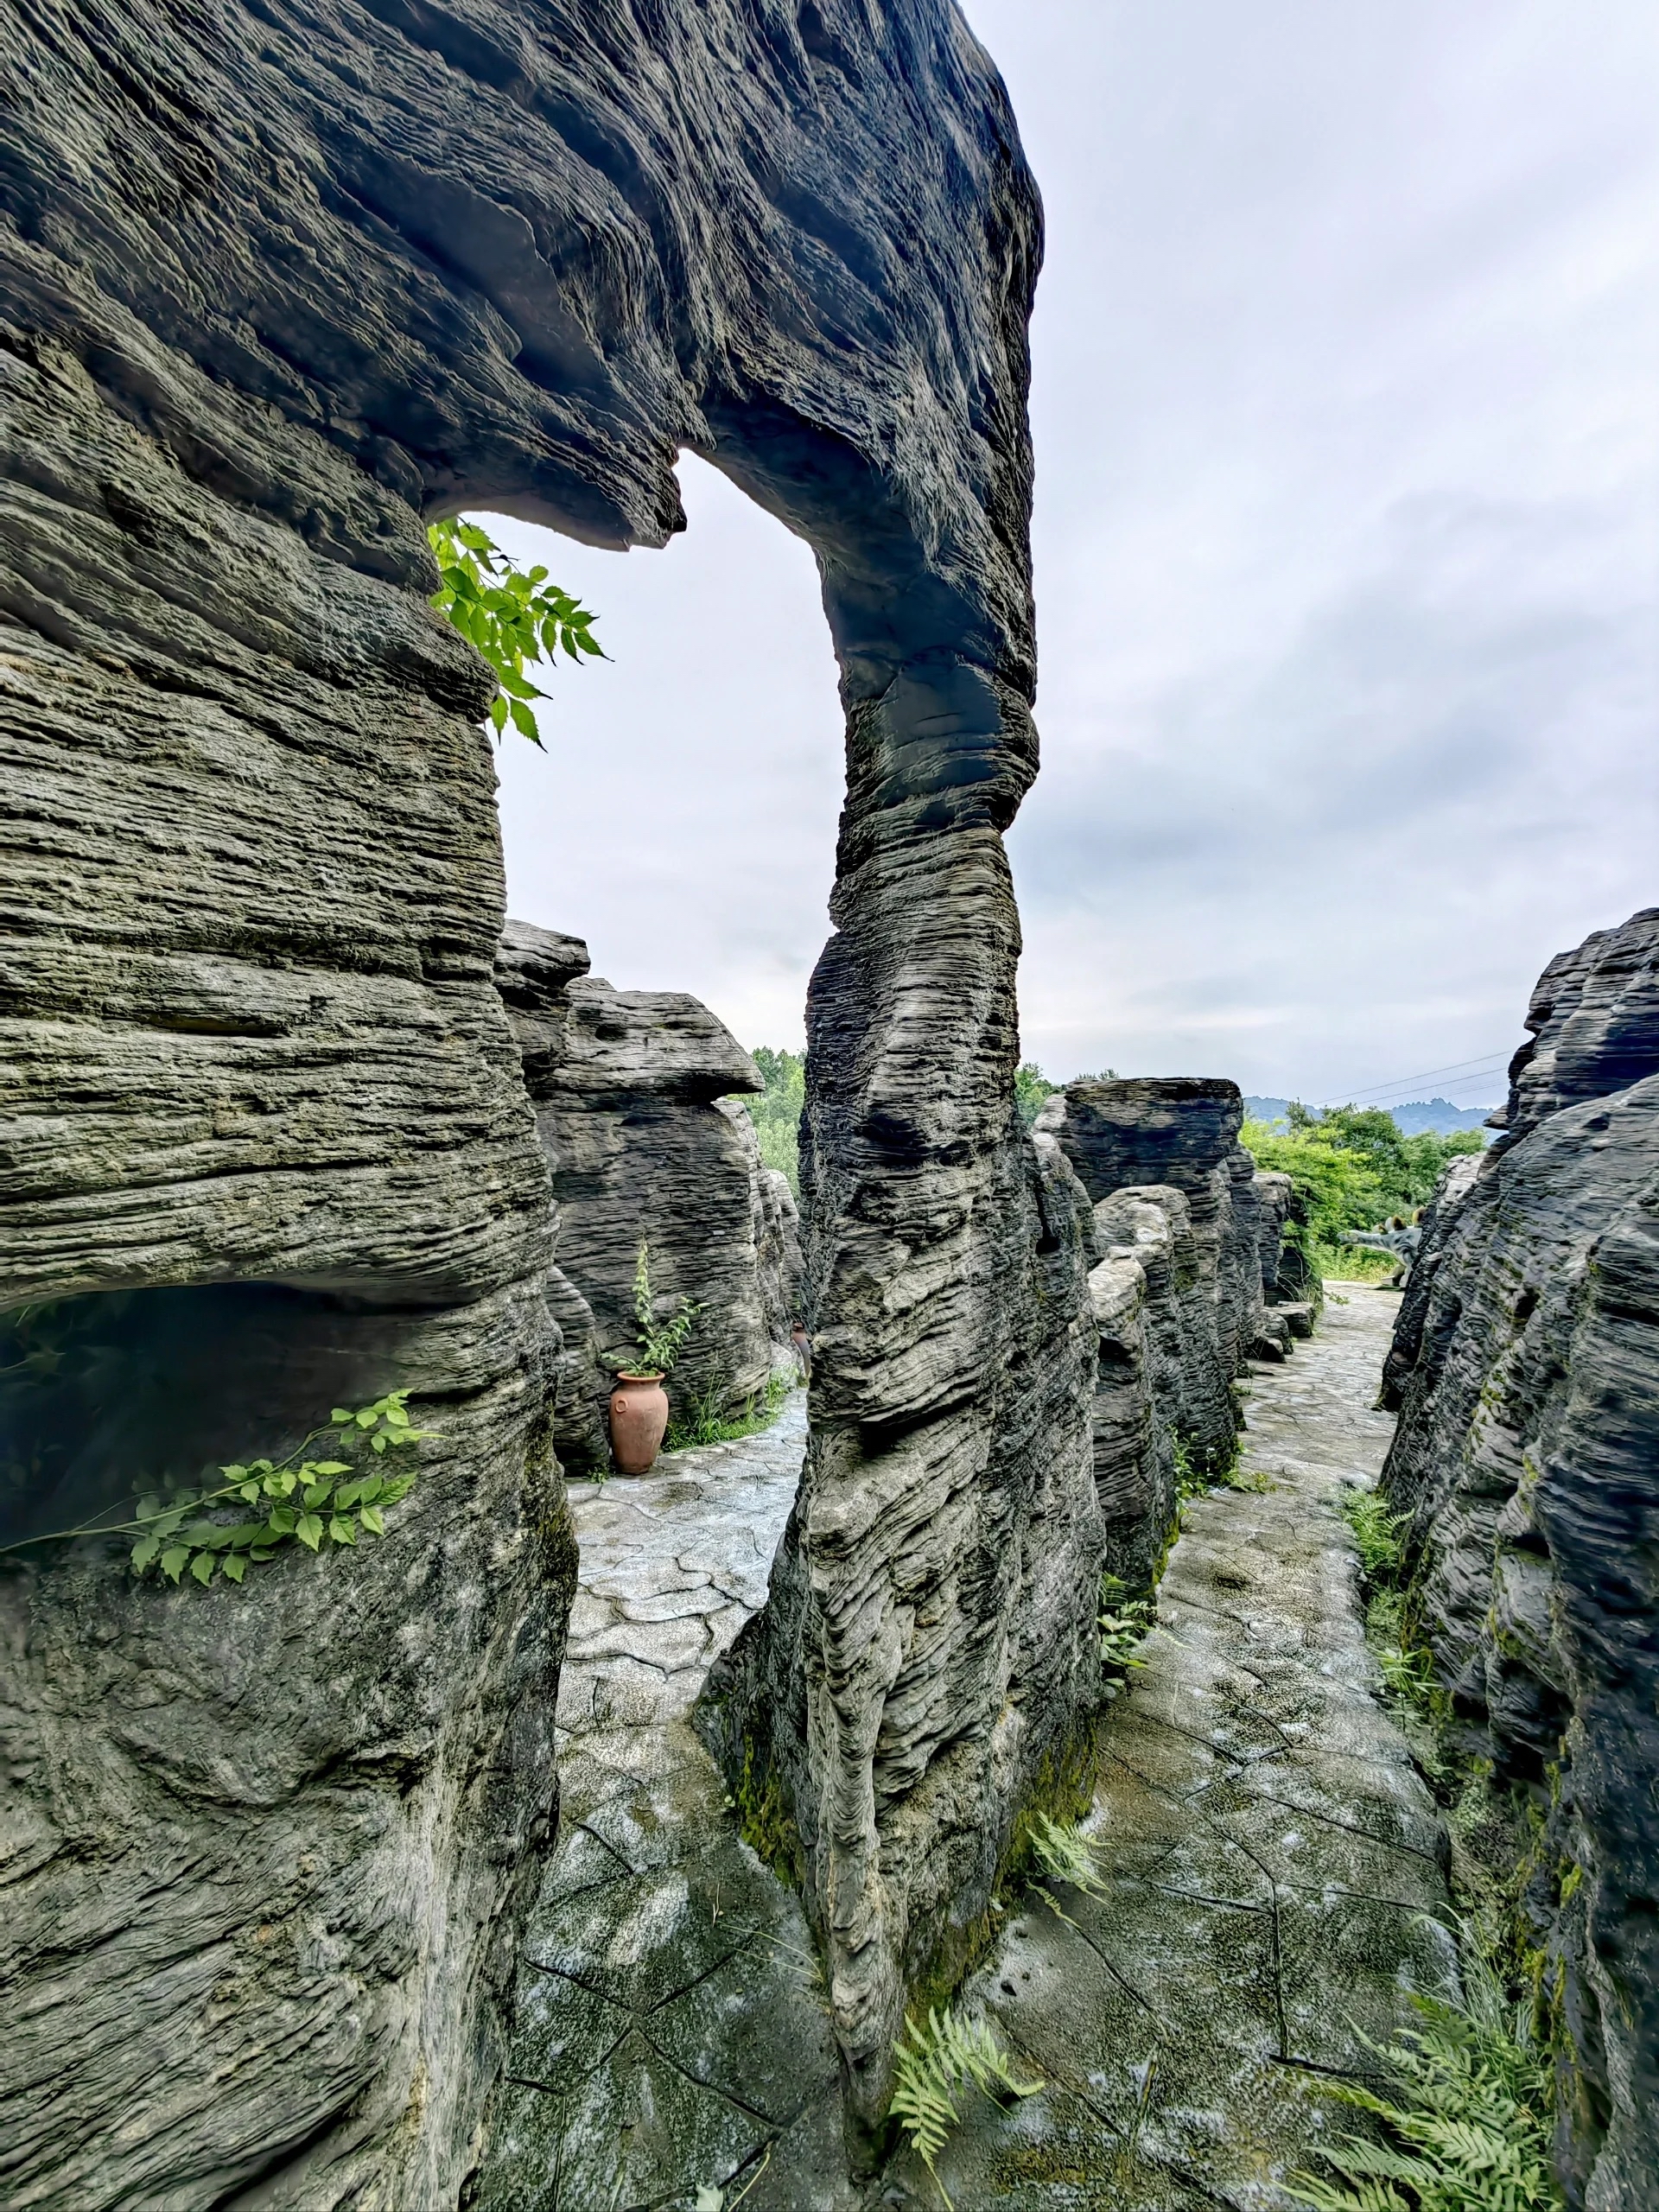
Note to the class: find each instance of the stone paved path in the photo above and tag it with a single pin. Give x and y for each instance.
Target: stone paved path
(1270, 1854)
(671, 2035)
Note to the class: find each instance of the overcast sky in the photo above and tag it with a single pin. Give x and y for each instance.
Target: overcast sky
(1346, 405)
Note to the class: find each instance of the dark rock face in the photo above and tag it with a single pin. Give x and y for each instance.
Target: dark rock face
(629, 1089)
(936, 1593)
(275, 284)
(1594, 1017)
(1526, 1366)
(1151, 1370)
(255, 1063)
(1181, 1134)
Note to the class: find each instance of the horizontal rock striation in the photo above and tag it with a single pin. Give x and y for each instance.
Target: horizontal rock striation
(630, 1090)
(1140, 1293)
(1526, 1368)
(276, 284)
(1180, 1133)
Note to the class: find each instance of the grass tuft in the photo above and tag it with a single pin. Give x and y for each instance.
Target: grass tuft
(705, 1420)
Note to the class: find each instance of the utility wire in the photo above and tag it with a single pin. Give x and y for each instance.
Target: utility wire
(1486, 1065)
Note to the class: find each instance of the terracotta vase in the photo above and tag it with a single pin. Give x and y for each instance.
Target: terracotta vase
(638, 1419)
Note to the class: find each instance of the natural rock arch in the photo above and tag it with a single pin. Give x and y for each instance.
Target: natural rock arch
(276, 281)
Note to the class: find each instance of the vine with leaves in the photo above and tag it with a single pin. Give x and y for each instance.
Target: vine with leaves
(294, 1500)
(512, 615)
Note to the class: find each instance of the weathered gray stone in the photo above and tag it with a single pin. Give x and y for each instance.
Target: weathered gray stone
(1181, 1131)
(1145, 1134)
(1526, 1366)
(1594, 1016)
(931, 1620)
(775, 1225)
(273, 288)
(630, 1089)
(1192, 1386)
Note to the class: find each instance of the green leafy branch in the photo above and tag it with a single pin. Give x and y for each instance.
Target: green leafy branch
(933, 2064)
(512, 614)
(660, 1342)
(1065, 1854)
(295, 1500)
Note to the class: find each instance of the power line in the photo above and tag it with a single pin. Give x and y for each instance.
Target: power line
(1410, 1093)
(1488, 1063)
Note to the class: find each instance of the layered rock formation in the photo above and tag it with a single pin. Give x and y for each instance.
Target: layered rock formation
(1185, 1291)
(629, 1089)
(1526, 1366)
(275, 284)
(1146, 1137)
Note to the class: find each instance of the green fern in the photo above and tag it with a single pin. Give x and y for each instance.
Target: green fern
(1066, 1854)
(935, 2063)
(1377, 1531)
(1124, 1625)
(1467, 2118)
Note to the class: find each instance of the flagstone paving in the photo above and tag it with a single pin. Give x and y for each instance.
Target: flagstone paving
(1269, 1857)
(669, 2034)
(1269, 1865)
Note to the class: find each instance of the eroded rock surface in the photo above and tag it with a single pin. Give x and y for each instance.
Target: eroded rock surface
(1526, 1366)
(275, 284)
(1181, 1134)
(631, 1090)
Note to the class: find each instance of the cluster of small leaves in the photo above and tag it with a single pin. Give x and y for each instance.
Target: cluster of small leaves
(660, 1342)
(294, 1501)
(1407, 1672)
(935, 2062)
(1124, 1622)
(1065, 1854)
(1466, 2118)
(1377, 1531)
(512, 614)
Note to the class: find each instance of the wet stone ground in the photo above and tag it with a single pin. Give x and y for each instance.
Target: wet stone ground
(1268, 1858)
(1269, 1853)
(670, 2036)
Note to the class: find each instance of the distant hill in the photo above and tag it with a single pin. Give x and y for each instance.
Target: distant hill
(1437, 1114)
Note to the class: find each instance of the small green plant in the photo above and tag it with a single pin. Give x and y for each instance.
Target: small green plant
(1466, 2116)
(1124, 1624)
(1254, 1480)
(295, 1500)
(511, 614)
(660, 1342)
(935, 2063)
(705, 1420)
(1409, 1674)
(1377, 1531)
(1065, 1854)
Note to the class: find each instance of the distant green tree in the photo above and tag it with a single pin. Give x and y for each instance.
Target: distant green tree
(1030, 1089)
(777, 1112)
(1351, 1168)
